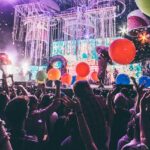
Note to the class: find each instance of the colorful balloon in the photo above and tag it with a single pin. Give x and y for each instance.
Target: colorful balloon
(82, 69)
(40, 82)
(122, 51)
(66, 79)
(4, 59)
(123, 79)
(144, 80)
(78, 78)
(144, 6)
(94, 76)
(41, 75)
(54, 74)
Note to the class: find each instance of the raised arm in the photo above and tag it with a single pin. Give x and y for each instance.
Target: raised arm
(58, 90)
(83, 127)
(4, 82)
(139, 90)
(24, 90)
(110, 106)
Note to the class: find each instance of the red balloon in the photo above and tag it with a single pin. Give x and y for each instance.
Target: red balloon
(94, 76)
(78, 78)
(54, 74)
(82, 69)
(122, 51)
(66, 79)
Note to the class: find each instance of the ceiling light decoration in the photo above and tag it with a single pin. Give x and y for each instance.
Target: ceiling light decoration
(38, 24)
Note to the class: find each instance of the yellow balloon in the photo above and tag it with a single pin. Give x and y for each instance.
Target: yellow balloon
(40, 82)
(144, 6)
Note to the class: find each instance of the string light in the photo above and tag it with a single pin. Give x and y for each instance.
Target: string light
(123, 30)
(143, 37)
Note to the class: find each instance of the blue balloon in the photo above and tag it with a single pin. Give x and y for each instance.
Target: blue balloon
(73, 79)
(144, 80)
(123, 79)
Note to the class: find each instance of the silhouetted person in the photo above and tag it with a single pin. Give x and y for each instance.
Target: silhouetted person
(103, 60)
(16, 113)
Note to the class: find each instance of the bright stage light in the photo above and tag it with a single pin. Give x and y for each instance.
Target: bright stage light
(123, 30)
(143, 37)
(25, 67)
(12, 54)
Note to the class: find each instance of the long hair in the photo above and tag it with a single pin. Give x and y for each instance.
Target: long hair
(92, 111)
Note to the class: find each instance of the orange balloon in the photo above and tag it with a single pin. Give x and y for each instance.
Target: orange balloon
(54, 74)
(81, 78)
(82, 69)
(94, 76)
(66, 79)
(122, 51)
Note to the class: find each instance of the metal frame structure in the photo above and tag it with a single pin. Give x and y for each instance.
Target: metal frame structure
(39, 26)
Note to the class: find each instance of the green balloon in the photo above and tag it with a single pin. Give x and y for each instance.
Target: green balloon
(41, 76)
(144, 6)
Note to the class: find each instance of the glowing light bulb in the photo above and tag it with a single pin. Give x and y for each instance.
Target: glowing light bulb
(143, 37)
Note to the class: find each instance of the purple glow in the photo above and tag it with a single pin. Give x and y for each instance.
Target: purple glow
(8, 1)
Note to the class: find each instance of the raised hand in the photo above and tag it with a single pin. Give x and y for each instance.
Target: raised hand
(23, 89)
(140, 91)
(73, 104)
(138, 88)
(58, 83)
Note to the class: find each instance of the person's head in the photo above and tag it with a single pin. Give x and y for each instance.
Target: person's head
(125, 92)
(3, 101)
(82, 89)
(120, 101)
(16, 111)
(33, 103)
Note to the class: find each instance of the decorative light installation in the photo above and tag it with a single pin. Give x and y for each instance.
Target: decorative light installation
(32, 26)
(123, 30)
(144, 37)
(40, 24)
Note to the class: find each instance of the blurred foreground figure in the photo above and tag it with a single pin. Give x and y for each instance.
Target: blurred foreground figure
(16, 113)
(4, 138)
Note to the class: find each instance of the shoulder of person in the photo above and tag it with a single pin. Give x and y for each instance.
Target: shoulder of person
(142, 146)
(30, 138)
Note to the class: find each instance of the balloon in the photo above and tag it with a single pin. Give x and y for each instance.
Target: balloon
(144, 80)
(54, 74)
(122, 51)
(144, 6)
(40, 82)
(41, 75)
(94, 76)
(78, 78)
(66, 79)
(82, 69)
(4, 60)
(123, 79)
